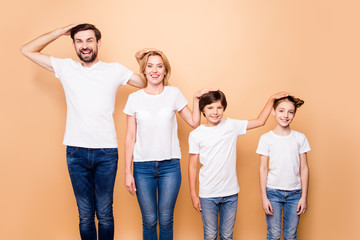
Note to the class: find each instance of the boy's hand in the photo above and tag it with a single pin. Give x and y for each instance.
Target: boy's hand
(280, 95)
(267, 207)
(196, 203)
(302, 205)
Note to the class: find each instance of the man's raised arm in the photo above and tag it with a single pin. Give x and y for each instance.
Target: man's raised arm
(32, 49)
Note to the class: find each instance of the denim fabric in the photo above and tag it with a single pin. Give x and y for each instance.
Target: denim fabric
(211, 209)
(92, 173)
(286, 201)
(157, 180)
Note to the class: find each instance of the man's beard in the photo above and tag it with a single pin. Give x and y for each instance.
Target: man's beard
(88, 59)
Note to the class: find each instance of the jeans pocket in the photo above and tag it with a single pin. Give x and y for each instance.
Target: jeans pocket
(110, 151)
(70, 150)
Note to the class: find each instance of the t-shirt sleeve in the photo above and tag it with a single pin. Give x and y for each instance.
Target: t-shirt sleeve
(129, 107)
(304, 144)
(181, 101)
(239, 126)
(193, 145)
(262, 148)
(124, 74)
(58, 64)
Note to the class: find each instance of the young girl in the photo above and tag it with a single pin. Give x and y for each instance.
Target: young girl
(152, 143)
(215, 144)
(284, 187)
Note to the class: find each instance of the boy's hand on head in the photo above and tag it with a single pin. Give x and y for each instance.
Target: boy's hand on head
(280, 95)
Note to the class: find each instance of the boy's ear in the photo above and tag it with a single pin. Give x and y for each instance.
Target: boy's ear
(273, 112)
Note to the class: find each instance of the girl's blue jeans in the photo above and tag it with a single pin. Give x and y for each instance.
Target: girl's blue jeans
(157, 187)
(92, 172)
(284, 204)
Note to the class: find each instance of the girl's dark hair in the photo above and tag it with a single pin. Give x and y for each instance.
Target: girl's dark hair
(296, 101)
(211, 97)
(84, 27)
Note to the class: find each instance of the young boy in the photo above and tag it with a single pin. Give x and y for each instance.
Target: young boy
(215, 143)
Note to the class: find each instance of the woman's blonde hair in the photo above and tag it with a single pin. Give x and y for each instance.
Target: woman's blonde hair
(167, 66)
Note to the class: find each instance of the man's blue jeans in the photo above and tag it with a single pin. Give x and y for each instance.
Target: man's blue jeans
(92, 173)
(286, 201)
(157, 187)
(211, 209)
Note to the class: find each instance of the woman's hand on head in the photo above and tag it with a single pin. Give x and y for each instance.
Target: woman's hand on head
(203, 91)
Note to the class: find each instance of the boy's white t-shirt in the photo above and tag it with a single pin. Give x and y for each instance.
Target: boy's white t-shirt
(284, 159)
(216, 147)
(156, 125)
(90, 97)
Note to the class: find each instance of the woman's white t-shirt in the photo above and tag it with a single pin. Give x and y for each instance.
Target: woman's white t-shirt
(156, 125)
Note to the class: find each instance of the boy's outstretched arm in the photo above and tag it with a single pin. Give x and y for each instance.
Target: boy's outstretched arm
(263, 116)
(304, 176)
(193, 162)
(32, 49)
(263, 176)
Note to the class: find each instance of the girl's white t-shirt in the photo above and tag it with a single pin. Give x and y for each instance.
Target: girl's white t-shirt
(90, 98)
(284, 158)
(216, 147)
(156, 125)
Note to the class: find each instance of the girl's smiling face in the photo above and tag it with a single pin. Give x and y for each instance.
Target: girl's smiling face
(284, 113)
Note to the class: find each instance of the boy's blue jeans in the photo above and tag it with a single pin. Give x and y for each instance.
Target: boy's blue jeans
(157, 187)
(92, 173)
(286, 201)
(211, 209)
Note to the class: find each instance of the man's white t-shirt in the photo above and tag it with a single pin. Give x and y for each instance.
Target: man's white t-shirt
(90, 97)
(217, 149)
(284, 158)
(156, 126)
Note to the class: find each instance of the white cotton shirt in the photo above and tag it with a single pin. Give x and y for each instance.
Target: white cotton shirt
(156, 125)
(90, 97)
(216, 147)
(284, 158)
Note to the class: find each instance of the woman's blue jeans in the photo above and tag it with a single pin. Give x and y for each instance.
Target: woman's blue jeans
(157, 187)
(286, 201)
(212, 208)
(92, 173)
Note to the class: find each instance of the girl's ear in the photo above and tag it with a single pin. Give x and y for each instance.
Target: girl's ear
(273, 112)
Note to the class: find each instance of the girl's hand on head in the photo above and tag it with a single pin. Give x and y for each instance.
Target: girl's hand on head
(130, 184)
(197, 204)
(267, 207)
(204, 91)
(302, 206)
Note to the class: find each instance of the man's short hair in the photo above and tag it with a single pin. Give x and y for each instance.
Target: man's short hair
(84, 27)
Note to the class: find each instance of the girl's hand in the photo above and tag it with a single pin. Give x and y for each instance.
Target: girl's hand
(140, 54)
(196, 204)
(130, 183)
(302, 205)
(204, 91)
(267, 207)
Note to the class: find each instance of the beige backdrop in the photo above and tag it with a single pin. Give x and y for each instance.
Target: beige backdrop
(249, 49)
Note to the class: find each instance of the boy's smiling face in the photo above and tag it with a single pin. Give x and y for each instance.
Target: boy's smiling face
(213, 113)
